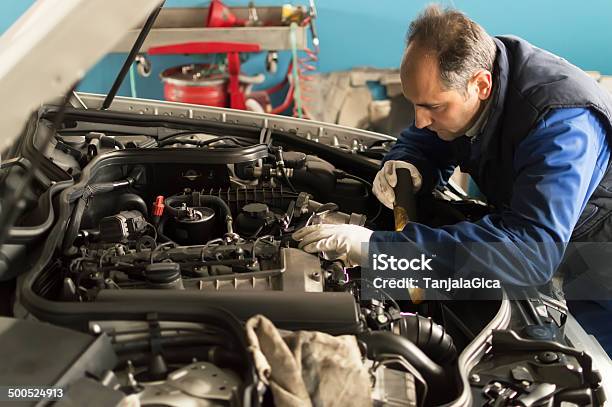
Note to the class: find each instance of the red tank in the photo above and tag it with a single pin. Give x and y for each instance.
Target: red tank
(201, 84)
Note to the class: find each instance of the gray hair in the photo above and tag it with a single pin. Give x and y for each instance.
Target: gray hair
(462, 46)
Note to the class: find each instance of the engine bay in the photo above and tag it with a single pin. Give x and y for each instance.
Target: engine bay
(170, 235)
(207, 219)
(223, 225)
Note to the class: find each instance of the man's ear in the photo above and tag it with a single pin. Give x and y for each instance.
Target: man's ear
(483, 81)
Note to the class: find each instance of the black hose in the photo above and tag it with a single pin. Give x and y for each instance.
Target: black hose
(12, 195)
(75, 220)
(73, 227)
(185, 340)
(132, 201)
(90, 191)
(175, 139)
(429, 337)
(135, 175)
(160, 231)
(385, 343)
(342, 174)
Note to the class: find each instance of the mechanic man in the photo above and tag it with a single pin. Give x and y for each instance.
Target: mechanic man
(530, 128)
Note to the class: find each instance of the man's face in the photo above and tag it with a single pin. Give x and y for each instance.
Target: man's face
(447, 112)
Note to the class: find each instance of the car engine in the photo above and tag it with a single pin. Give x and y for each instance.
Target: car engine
(222, 238)
(206, 227)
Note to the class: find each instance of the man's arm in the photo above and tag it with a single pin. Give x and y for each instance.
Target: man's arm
(557, 168)
(427, 152)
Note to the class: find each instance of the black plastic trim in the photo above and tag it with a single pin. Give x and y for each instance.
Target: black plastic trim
(147, 120)
(24, 234)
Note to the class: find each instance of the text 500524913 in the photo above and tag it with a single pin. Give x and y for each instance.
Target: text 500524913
(31, 393)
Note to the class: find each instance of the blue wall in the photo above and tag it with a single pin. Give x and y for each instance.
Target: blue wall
(360, 32)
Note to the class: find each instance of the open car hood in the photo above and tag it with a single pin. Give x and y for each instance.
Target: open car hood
(52, 46)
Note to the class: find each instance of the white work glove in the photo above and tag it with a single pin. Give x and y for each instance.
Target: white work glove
(342, 242)
(386, 180)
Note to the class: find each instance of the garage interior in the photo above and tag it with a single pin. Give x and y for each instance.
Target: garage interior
(325, 62)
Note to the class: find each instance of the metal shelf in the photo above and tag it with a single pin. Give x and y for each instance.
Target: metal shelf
(180, 25)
